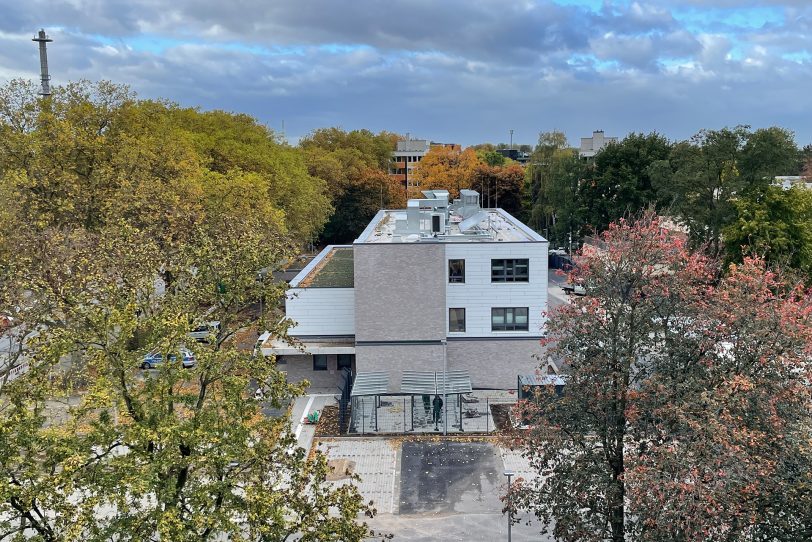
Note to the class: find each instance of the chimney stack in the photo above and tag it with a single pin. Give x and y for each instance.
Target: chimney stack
(43, 62)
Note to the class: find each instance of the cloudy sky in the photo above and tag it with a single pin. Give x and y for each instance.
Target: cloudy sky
(463, 71)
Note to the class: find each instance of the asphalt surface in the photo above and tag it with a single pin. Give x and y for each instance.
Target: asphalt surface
(439, 491)
(448, 477)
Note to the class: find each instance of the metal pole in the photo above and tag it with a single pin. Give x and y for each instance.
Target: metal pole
(433, 413)
(459, 402)
(487, 415)
(511, 140)
(412, 412)
(363, 413)
(404, 414)
(445, 390)
(377, 405)
(509, 506)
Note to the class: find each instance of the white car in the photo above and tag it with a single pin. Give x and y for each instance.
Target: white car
(203, 334)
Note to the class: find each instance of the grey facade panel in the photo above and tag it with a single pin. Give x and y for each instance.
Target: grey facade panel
(298, 368)
(395, 359)
(400, 292)
(495, 364)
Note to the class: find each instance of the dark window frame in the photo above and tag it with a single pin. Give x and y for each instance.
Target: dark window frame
(456, 279)
(511, 326)
(317, 367)
(463, 320)
(510, 270)
(339, 358)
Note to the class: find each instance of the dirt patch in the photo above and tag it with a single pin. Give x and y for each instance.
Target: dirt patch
(340, 469)
(328, 422)
(501, 417)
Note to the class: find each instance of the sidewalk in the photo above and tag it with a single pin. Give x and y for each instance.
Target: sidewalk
(303, 406)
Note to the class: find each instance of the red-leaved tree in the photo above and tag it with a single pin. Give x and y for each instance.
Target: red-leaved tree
(685, 414)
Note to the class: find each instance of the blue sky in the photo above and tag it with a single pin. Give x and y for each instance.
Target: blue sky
(459, 70)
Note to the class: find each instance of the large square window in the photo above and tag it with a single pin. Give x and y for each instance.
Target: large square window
(510, 270)
(456, 320)
(319, 362)
(456, 271)
(509, 319)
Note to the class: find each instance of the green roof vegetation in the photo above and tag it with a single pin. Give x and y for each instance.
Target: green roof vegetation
(334, 271)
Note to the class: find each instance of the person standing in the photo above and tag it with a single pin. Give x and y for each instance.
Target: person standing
(438, 409)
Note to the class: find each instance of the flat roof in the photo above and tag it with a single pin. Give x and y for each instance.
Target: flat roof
(496, 226)
(332, 268)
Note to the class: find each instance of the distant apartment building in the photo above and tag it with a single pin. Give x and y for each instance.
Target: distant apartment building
(438, 284)
(590, 146)
(408, 153)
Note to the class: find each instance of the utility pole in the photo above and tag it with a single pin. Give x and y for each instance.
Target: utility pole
(509, 474)
(43, 39)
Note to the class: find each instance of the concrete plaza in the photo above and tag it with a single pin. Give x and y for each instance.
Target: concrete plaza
(427, 490)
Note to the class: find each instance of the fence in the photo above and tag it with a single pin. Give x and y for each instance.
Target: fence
(343, 400)
(474, 413)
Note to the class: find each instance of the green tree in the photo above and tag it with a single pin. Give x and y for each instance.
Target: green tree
(553, 181)
(132, 233)
(492, 158)
(769, 152)
(699, 179)
(620, 183)
(354, 166)
(774, 223)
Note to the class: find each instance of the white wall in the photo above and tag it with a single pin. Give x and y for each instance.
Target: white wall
(478, 294)
(321, 311)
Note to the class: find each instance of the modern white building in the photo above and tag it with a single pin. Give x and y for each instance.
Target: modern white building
(438, 284)
(590, 146)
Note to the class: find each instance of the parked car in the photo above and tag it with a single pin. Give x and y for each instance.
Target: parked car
(576, 289)
(203, 333)
(153, 359)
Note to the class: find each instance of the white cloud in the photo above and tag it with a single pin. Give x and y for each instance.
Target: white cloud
(455, 70)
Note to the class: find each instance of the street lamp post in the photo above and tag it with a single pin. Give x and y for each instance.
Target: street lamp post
(509, 474)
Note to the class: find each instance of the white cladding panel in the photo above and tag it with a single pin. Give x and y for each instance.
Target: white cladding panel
(478, 294)
(321, 311)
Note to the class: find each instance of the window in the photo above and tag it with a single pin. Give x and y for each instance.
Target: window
(345, 361)
(319, 362)
(510, 270)
(456, 320)
(509, 319)
(456, 270)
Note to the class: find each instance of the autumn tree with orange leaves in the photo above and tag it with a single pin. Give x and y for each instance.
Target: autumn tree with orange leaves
(453, 170)
(445, 168)
(685, 414)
